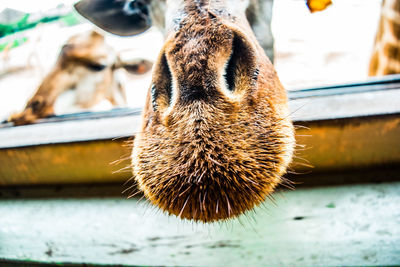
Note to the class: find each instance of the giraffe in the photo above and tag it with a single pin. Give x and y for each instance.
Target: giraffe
(385, 57)
(85, 64)
(216, 136)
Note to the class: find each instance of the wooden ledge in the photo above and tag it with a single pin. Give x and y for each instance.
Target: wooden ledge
(356, 127)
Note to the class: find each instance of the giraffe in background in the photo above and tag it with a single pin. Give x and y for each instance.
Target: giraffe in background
(87, 65)
(385, 58)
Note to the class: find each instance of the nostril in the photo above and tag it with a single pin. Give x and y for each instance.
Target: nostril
(230, 69)
(161, 91)
(241, 67)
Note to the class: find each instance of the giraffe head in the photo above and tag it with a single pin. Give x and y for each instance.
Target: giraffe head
(83, 56)
(215, 137)
(87, 65)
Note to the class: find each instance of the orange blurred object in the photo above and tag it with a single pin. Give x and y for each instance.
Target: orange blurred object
(318, 5)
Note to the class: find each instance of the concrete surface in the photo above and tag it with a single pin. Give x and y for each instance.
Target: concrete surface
(357, 225)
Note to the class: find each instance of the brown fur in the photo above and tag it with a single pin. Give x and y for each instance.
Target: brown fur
(206, 152)
(85, 64)
(385, 59)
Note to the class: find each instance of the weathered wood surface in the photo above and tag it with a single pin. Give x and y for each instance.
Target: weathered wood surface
(333, 226)
(89, 162)
(349, 144)
(339, 144)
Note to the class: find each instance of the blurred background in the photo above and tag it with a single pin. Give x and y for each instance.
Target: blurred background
(311, 49)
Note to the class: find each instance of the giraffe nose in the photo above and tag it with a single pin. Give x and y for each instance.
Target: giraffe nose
(205, 77)
(231, 70)
(241, 69)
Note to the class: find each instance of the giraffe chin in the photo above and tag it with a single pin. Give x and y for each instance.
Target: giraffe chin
(215, 165)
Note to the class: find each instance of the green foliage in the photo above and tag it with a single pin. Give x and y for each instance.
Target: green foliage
(23, 24)
(6, 29)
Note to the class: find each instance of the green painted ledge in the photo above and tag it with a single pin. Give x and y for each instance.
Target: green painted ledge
(347, 225)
